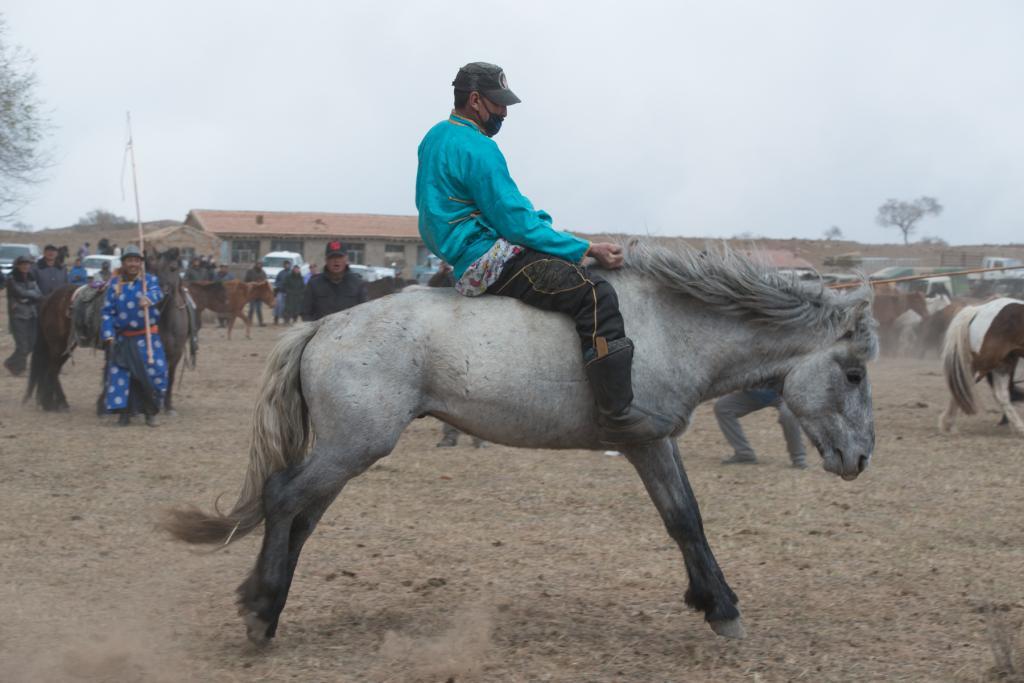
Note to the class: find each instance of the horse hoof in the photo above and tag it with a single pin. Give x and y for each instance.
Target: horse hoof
(729, 628)
(256, 630)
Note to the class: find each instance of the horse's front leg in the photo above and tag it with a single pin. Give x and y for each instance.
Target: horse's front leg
(169, 410)
(661, 470)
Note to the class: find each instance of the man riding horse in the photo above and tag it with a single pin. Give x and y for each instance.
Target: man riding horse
(473, 216)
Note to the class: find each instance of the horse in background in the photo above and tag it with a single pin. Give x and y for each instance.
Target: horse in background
(888, 307)
(53, 348)
(229, 297)
(70, 317)
(983, 340)
(176, 330)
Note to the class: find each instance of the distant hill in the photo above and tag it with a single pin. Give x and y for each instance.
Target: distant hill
(73, 236)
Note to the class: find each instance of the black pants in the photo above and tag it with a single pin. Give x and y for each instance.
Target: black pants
(24, 331)
(555, 284)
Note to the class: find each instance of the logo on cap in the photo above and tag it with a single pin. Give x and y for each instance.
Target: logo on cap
(502, 81)
(334, 246)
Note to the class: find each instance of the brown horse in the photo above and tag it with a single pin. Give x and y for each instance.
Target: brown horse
(67, 321)
(229, 297)
(53, 348)
(889, 305)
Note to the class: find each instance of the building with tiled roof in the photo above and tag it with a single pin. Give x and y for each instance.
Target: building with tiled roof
(372, 239)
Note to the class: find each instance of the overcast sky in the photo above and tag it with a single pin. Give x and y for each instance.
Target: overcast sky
(676, 118)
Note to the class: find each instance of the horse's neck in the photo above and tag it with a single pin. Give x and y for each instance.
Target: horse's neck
(706, 353)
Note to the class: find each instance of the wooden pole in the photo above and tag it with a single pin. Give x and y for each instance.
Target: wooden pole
(142, 242)
(908, 278)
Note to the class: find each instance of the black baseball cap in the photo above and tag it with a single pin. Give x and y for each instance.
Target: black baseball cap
(488, 80)
(335, 248)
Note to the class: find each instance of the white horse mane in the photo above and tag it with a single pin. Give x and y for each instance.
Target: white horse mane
(729, 281)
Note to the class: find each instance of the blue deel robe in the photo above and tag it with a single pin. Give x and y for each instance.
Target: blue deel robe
(122, 313)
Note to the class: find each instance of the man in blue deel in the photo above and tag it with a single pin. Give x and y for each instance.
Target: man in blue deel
(472, 215)
(135, 383)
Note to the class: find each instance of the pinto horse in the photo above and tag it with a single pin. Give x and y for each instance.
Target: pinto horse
(229, 297)
(705, 324)
(983, 340)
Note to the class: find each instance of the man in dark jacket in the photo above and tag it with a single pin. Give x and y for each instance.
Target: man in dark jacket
(49, 273)
(24, 296)
(336, 289)
(256, 274)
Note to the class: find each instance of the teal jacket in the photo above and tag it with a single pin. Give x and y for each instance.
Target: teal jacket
(467, 200)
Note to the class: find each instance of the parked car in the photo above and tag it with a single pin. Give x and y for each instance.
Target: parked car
(274, 261)
(423, 273)
(9, 252)
(94, 263)
(371, 273)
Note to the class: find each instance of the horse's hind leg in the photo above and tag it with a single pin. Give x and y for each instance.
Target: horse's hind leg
(293, 500)
(1001, 391)
(661, 470)
(947, 421)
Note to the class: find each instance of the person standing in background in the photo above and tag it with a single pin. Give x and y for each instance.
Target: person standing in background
(78, 275)
(23, 297)
(256, 274)
(49, 274)
(730, 408)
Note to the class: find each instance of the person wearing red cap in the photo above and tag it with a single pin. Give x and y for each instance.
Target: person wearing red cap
(335, 289)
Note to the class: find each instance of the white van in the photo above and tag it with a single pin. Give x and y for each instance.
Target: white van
(274, 261)
(9, 252)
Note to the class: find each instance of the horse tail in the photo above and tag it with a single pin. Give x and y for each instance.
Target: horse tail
(281, 436)
(956, 360)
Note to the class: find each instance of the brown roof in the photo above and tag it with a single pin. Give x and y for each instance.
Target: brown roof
(304, 224)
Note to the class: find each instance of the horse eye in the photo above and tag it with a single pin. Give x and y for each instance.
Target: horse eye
(854, 376)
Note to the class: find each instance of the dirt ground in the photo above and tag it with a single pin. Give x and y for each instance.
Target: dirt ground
(506, 564)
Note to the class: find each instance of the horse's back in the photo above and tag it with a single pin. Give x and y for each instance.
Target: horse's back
(1001, 317)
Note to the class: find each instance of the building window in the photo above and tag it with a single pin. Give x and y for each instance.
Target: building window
(286, 245)
(245, 251)
(356, 252)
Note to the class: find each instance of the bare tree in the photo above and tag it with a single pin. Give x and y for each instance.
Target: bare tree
(834, 233)
(905, 216)
(22, 126)
(101, 218)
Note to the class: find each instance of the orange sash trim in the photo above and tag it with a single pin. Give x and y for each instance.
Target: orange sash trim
(153, 329)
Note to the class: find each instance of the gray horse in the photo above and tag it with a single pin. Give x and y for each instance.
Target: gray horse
(704, 323)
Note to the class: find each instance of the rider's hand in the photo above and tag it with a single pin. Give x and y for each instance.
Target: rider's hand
(608, 254)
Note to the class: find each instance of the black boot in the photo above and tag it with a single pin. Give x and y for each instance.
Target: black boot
(621, 423)
(124, 419)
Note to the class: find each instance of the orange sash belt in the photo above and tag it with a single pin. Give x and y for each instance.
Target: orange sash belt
(153, 329)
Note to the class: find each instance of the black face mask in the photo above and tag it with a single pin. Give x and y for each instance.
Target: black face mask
(492, 125)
